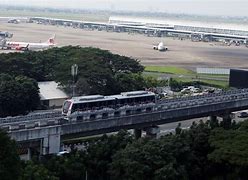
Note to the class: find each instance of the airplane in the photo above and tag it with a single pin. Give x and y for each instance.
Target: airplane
(160, 47)
(26, 46)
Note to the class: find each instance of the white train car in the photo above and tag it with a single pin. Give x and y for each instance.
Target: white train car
(98, 106)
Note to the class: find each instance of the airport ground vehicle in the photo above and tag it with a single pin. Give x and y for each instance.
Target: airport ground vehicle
(111, 103)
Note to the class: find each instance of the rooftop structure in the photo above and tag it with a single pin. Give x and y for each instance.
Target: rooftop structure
(51, 95)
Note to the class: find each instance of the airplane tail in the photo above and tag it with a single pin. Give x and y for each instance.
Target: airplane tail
(51, 40)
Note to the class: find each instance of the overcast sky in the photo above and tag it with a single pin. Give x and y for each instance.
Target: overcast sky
(206, 7)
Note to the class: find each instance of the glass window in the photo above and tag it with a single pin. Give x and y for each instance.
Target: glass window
(82, 106)
(66, 106)
(74, 108)
(122, 101)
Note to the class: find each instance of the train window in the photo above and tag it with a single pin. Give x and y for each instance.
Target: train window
(105, 115)
(110, 103)
(74, 107)
(151, 98)
(122, 101)
(102, 103)
(92, 105)
(80, 118)
(130, 100)
(82, 106)
(137, 99)
(143, 99)
(66, 106)
(128, 112)
(117, 113)
(92, 116)
(148, 109)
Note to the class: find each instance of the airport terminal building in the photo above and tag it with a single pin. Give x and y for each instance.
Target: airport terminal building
(197, 26)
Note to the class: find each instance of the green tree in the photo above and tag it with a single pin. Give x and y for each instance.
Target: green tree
(34, 171)
(18, 95)
(71, 166)
(98, 68)
(154, 82)
(100, 152)
(94, 160)
(10, 164)
(197, 138)
(165, 158)
(230, 153)
(130, 82)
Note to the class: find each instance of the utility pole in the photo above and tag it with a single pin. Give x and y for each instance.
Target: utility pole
(74, 72)
(168, 81)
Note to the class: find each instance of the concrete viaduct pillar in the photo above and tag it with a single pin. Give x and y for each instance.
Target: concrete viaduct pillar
(50, 144)
(227, 120)
(213, 121)
(213, 118)
(152, 131)
(137, 133)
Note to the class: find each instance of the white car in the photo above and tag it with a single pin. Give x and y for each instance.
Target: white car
(61, 153)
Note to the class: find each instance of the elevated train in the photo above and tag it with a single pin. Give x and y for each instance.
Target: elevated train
(98, 106)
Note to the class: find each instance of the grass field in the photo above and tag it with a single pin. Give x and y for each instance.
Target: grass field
(169, 70)
(222, 76)
(187, 75)
(222, 84)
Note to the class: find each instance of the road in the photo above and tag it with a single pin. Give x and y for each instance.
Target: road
(170, 127)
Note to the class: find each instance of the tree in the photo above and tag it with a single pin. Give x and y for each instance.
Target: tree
(82, 87)
(98, 68)
(34, 171)
(100, 152)
(165, 158)
(10, 164)
(230, 153)
(154, 82)
(197, 137)
(93, 161)
(130, 82)
(18, 95)
(69, 166)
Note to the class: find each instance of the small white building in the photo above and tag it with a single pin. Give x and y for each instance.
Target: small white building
(51, 95)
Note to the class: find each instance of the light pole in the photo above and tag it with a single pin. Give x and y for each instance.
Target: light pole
(74, 72)
(168, 82)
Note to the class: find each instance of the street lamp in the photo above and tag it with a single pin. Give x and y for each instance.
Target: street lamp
(74, 72)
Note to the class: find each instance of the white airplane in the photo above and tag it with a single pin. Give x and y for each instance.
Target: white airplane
(26, 46)
(160, 47)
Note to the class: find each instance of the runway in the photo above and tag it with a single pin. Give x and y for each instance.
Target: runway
(183, 53)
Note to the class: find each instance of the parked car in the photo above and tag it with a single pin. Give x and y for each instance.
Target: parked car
(61, 153)
(243, 115)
